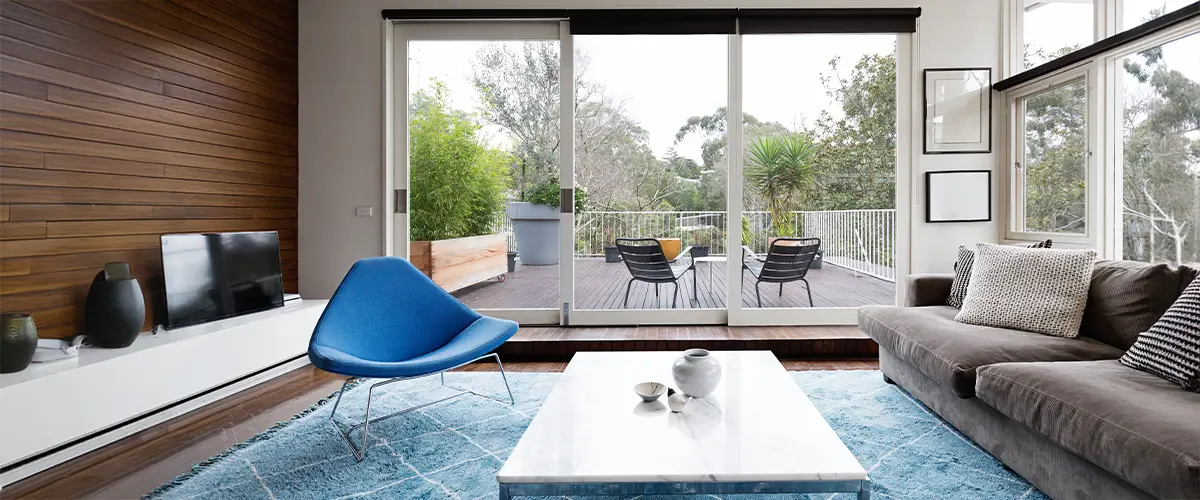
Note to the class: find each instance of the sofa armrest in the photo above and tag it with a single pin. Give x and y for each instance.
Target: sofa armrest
(928, 289)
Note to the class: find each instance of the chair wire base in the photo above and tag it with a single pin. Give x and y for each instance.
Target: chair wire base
(360, 452)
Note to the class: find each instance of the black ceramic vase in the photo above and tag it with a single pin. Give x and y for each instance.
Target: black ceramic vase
(114, 312)
(18, 341)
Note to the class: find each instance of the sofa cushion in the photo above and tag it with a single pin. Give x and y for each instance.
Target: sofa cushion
(1043, 291)
(1126, 298)
(950, 352)
(1141, 428)
(965, 264)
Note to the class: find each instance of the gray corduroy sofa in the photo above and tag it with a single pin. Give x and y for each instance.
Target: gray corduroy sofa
(1061, 412)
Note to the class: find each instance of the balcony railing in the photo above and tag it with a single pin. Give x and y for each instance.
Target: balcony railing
(860, 240)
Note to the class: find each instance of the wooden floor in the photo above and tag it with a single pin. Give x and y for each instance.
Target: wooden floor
(137, 464)
(601, 285)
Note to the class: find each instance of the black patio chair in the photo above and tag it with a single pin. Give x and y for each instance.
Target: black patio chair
(646, 261)
(786, 261)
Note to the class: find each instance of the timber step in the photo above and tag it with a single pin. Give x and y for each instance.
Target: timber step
(801, 342)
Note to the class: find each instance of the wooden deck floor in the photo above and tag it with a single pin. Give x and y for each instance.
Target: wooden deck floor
(601, 285)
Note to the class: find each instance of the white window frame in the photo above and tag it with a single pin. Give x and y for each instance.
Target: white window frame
(1113, 109)
(1105, 107)
(1015, 138)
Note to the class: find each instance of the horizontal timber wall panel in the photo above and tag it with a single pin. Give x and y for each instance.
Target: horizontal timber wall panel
(122, 120)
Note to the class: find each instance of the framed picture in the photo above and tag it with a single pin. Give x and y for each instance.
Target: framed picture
(958, 110)
(958, 196)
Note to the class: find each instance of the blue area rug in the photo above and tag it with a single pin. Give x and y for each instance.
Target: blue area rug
(453, 450)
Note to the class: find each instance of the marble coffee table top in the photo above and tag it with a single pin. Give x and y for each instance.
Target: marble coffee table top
(758, 426)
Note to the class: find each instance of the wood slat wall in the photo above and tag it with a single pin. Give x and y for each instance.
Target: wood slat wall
(121, 120)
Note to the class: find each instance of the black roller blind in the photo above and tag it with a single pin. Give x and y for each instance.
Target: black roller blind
(692, 21)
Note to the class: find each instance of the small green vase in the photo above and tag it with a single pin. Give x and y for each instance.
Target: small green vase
(18, 341)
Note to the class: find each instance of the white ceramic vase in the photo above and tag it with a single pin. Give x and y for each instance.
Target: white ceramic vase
(696, 373)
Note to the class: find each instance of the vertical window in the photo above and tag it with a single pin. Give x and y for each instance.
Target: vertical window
(1136, 12)
(1160, 153)
(1052, 28)
(1052, 154)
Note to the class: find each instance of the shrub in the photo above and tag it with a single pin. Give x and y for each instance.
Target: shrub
(547, 193)
(458, 183)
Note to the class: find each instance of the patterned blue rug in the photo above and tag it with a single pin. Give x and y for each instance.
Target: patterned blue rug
(453, 450)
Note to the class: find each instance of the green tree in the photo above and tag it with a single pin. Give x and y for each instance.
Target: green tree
(857, 147)
(519, 88)
(780, 170)
(1161, 160)
(458, 183)
(1055, 163)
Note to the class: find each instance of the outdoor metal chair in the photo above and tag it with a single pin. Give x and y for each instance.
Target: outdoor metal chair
(786, 261)
(646, 261)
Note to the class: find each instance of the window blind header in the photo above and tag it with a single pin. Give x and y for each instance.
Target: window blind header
(690, 21)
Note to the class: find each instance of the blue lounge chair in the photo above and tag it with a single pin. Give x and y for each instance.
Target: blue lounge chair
(387, 320)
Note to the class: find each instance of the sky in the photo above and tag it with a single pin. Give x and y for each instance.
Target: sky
(663, 80)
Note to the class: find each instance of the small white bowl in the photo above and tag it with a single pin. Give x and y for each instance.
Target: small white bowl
(650, 391)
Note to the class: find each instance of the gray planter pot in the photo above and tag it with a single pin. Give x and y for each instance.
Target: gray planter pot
(536, 229)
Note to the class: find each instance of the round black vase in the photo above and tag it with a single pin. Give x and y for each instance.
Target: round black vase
(114, 312)
(18, 341)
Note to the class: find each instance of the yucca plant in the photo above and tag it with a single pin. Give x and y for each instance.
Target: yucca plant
(780, 169)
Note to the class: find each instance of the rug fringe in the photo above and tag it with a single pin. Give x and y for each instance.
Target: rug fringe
(200, 467)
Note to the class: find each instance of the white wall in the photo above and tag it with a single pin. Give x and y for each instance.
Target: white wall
(341, 118)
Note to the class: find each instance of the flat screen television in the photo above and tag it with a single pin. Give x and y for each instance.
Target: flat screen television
(220, 275)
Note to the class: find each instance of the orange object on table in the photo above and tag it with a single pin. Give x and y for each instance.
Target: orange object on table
(671, 247)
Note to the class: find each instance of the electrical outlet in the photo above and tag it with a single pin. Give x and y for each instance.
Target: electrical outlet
(364, 211)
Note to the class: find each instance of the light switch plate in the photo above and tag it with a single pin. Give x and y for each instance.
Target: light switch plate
(364, 211)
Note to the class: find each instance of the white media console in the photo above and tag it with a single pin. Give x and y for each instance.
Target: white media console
(52, 412)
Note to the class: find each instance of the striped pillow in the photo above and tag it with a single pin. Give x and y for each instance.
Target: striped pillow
(962, 272)
(1171, 348)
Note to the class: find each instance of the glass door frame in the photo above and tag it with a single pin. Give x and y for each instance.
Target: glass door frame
(397, 37)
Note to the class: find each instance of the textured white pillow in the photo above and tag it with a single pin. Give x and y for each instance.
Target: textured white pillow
(1036, 290)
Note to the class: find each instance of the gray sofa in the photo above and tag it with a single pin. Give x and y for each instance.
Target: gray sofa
(1063, 413)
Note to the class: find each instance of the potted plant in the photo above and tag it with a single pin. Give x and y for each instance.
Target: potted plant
(458, 185)
(701, 241)
(535, 222)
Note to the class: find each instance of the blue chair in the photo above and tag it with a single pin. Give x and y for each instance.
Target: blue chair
(388, 320)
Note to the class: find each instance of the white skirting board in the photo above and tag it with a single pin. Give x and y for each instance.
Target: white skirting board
(67, 408)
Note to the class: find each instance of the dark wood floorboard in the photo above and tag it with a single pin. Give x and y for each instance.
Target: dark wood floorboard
(139, 463)
(601, 285)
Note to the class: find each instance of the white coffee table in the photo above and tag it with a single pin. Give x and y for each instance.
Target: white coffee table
(757, 433)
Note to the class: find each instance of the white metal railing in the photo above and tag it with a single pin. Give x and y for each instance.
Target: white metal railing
(860, 240)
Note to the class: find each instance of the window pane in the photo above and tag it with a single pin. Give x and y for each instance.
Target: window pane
(650, 140)
(1161, 153)
(1135, 12)
(483, 128)
(1055, 159)
(819, 170)
(1055, 27)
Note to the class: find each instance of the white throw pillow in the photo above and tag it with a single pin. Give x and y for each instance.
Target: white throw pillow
(1036, 290)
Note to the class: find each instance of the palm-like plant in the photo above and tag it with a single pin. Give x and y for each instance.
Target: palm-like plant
(781, 170)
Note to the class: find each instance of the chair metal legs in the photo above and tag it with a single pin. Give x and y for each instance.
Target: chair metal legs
(360, 451)
(626, 302)
(757, 294)
(808, 288)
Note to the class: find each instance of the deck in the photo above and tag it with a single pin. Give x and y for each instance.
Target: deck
(601, 285)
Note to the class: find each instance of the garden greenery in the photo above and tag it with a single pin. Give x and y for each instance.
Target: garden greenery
(458, 183)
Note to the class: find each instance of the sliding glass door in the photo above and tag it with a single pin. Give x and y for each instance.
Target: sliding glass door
(818, 175)
(559, 178)
(479, 157)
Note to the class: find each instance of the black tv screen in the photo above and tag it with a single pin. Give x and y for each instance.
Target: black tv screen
(220, 275)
